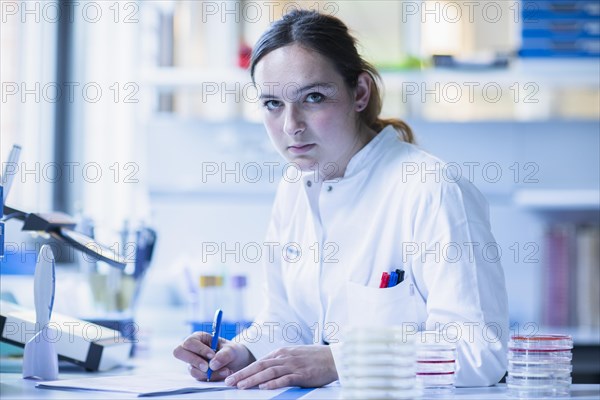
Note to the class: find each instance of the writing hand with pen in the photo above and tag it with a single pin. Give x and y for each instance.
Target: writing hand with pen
(305, 365)
(210, 357)
(228, 358)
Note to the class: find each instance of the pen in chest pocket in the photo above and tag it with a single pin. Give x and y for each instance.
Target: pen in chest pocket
(391, 279)
(385, 278)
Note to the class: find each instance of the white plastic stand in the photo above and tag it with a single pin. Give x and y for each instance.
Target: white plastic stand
(40, 360)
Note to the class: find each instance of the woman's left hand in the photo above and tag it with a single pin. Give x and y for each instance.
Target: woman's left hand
(305, 366)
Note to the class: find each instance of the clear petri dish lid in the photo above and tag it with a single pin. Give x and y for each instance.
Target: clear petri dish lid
(383, 335)
(537, 380)
(537, 363)
(381, 382)
(540, 357)
(377, 348)
(550, 342)
(367, 393)
(436, 347)
(436, 355)
(381, 371)
(390, 360)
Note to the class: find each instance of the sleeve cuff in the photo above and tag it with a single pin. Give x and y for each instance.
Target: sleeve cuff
(336, 351)
(258, 348)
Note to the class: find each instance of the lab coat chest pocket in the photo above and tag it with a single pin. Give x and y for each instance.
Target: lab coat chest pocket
(398, 305)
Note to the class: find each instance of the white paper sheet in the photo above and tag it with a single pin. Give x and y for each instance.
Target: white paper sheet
(142, 385)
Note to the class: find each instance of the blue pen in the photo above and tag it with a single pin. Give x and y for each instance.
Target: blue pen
(393, 279)
(215, 337)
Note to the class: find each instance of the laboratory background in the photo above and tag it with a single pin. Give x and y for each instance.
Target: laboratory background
(139, 117)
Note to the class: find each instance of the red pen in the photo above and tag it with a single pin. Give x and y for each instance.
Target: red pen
(385, 279)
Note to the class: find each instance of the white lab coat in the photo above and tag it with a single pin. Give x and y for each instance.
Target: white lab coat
(395, 207)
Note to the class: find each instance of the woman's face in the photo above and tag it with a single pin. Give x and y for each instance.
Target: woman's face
(308, 112)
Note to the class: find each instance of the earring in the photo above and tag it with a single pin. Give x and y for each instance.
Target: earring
(360, 107)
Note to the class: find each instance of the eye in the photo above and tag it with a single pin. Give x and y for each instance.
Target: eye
(272, 104)
(315, 97)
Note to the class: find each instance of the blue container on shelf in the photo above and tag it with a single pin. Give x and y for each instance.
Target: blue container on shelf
(560, 28)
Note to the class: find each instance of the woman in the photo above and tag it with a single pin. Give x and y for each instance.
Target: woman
(369, 202)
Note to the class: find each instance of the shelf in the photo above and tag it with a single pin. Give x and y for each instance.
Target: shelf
(553, 73)
(556, 73)
(560, 200)
(174, 77)
(529, 90)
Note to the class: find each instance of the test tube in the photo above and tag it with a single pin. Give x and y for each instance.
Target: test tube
(210, 295)
(238, 284)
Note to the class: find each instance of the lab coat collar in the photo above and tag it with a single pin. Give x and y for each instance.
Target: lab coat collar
(361, 159)
(366, 155)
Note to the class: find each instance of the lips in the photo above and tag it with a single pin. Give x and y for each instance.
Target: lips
(300, 148)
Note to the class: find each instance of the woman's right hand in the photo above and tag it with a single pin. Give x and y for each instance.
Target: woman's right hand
(230, 357)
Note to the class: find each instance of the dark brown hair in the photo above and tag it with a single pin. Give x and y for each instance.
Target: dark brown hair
(329, 37)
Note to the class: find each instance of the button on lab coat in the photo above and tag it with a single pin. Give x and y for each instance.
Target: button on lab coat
(395, 207)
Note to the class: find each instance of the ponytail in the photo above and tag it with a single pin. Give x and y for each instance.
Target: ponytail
(370, 115)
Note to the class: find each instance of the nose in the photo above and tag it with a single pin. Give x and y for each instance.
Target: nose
(294, 123)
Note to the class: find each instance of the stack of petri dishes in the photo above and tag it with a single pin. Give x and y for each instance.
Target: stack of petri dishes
(379, 364)
(436, 367)
(539, 366)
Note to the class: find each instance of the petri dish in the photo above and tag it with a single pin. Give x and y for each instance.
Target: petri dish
(379, 364)
(539, 366)
(537, 387)
(368, 394)
(543, 343)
